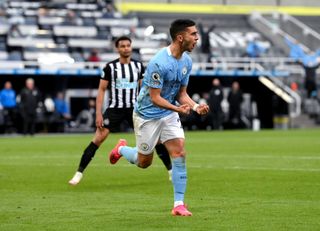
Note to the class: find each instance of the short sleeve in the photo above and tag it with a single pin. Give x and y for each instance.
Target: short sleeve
(141, 74)
(154, 76)
(106, 73)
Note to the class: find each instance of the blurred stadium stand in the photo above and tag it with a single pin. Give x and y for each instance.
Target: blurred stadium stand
(51, 41)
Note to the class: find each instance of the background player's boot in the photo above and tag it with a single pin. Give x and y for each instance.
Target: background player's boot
(76, 178)
(114, 154)
(170, 174)
(180, 210)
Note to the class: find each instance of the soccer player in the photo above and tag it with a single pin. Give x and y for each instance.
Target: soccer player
(122, 77)
(156, 116)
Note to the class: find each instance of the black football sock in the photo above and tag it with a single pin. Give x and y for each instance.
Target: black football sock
(164, 155)
(87, 156)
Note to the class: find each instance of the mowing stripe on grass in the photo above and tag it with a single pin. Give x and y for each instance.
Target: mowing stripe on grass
(189, 166)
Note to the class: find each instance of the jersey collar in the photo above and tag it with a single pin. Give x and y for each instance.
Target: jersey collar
(169, 51)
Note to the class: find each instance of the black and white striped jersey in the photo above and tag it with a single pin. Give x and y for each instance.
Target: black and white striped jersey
(123, 82)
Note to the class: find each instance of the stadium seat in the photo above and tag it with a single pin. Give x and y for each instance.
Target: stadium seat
(9, 65)
(79, 31)
(3, 55)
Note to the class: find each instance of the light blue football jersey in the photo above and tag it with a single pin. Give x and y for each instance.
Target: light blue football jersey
(167, 73)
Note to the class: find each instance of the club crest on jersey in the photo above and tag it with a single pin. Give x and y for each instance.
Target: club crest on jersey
(144, 146)
(184, 70)
(155, 76)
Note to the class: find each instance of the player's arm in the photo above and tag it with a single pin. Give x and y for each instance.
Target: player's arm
(184, 99)
(99, 102)
(141, 75)
(159, 101)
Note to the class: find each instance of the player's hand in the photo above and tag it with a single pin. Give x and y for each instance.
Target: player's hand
(202, 109)
(99, 121)
(184, 109)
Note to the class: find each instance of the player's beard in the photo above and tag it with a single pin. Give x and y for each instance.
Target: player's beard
(188, 46)
(126, 54)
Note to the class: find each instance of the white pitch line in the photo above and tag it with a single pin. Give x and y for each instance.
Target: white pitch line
(64, 156)
(261, 168)
(240, 168)
(267, 157)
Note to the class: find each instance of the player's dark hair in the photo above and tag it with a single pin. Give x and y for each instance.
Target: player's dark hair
(121, 38)
(179, 26)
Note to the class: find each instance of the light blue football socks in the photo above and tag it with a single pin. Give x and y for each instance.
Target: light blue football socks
(131, 154)
(179, 179)
(179, 172)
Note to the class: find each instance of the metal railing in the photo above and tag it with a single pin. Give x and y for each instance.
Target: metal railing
(286, 93)
(218, 63)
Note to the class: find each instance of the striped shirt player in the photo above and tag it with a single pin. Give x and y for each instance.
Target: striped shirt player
(123, 85)
(123, 82)
(122, 77)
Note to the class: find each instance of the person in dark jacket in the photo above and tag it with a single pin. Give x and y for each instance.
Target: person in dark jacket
(235, 99)
(310, 65)
(29, 101)
(215, 99)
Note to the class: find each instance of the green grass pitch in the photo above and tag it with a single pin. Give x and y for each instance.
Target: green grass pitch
(237, 180)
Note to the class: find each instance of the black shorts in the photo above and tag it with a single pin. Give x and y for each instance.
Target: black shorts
(114, 118)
